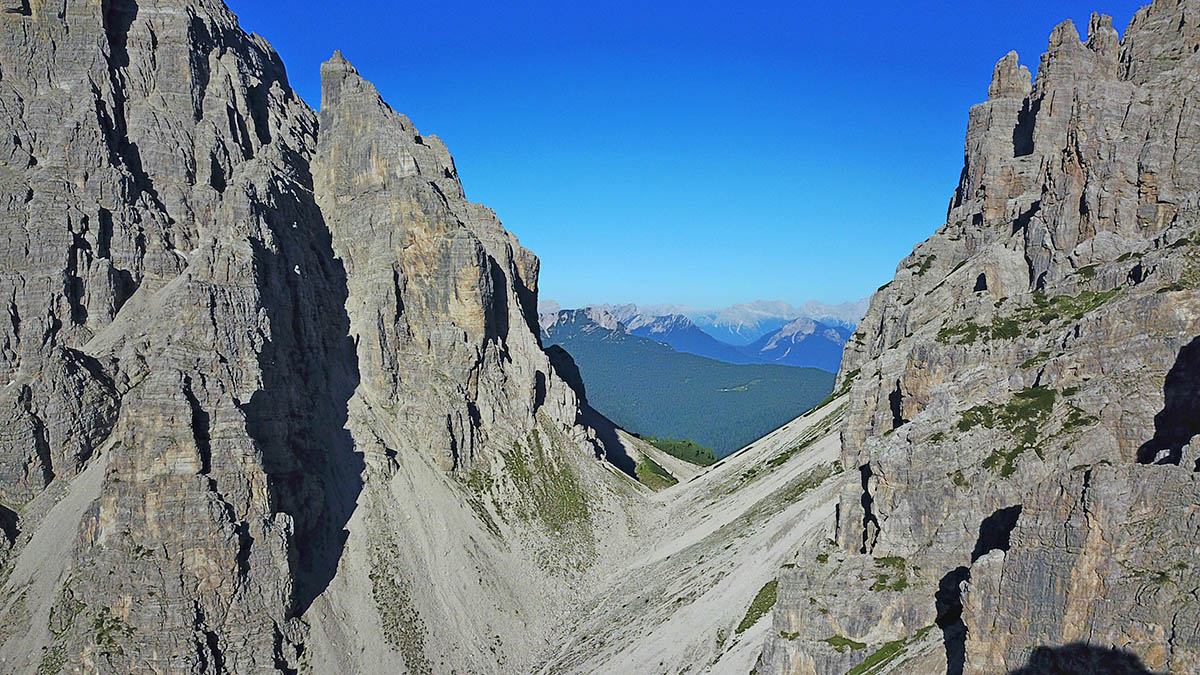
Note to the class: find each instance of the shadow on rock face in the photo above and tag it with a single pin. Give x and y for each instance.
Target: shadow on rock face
(310, 371)
(1179, 419)
(606, 432)
(1079, 658)
(566, 368)
(948, 601)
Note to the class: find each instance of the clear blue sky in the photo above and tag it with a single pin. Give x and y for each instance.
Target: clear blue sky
(703, 153)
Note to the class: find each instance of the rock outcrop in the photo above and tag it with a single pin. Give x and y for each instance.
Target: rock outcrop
(234, 331)
(1023, 393)
(272, 396)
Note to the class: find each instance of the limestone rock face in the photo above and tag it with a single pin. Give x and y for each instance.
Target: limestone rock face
(224, 333)
(1023, 392)
(439, 291)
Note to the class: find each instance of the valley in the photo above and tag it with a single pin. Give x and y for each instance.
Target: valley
(651, 389)
(277, 397)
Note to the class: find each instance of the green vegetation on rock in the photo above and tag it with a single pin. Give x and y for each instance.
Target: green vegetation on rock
(922, 265)
(109, 631)
(845, 388)
(402, 626)
(63, 615)
(550, 492)
(844, 644)
(886, 654)
(763, 602)
(653, 476)
(1034, 360)
(1023, 418)
(892, 574)
(812, 436)
(479, 485)
(686, 450)
(1047, 309)
(1043, 310)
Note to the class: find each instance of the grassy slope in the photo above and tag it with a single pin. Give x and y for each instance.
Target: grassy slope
(685, 450)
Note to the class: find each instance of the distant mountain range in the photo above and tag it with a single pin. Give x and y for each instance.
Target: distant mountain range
(803, 342)
(682, 335)
(743, 323)
(650, 388)
(811, 335)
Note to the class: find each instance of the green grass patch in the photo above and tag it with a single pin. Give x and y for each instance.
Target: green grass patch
(1189, 279)
(978, 415)
(1003, 461)
(401, 624)
(843, 390)
(1073, 307)
(1023, 418)
(549, 490)
(109, 632)
(1044, 310)
(893, 575)
(922, 265)
(844, 644)
(762, 603)
(965, 333)
(1024, 415)
(479, 486)
(686, 450)
(1077, 419)
(886, 654)
(653, 476)
(1034, 360)
(783, 457)
(812, 436)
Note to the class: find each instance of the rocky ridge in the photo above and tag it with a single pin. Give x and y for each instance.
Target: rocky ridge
(265, 371)
(1023, 393)
(274, 398)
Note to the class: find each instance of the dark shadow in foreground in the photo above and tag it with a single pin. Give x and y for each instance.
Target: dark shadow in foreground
(1179, 419)
(1080, 658)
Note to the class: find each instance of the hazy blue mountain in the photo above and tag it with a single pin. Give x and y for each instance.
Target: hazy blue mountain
(649, 388)
(678, 332)
(785, 341)
(742, 324)
(745, 323)
(802, 342)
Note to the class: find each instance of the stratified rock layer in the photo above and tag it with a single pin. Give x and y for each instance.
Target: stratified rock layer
(1024, 391)
(224, 343)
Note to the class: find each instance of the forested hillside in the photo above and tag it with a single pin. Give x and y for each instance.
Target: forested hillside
(649, 388)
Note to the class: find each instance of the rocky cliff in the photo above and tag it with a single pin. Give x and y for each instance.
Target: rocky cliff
(272, 390)
(1023, 394)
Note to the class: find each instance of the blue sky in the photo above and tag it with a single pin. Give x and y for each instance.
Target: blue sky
(702, 153)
